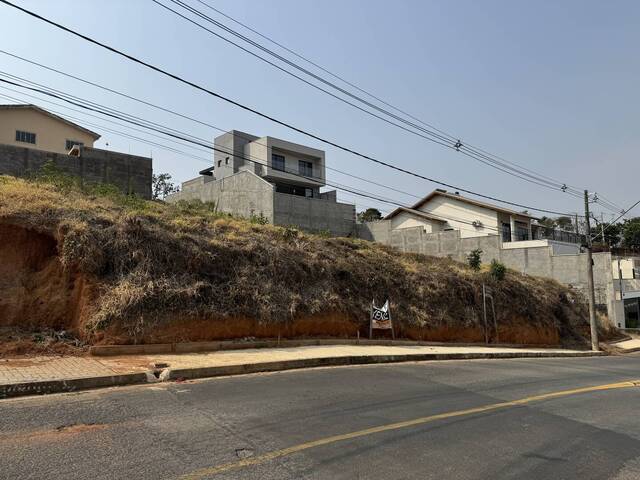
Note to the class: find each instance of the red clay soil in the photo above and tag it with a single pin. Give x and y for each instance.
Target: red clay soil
(37, 292)
(333, 325)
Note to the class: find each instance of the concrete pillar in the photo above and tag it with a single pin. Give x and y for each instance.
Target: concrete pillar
(513, 228)
(530, 231)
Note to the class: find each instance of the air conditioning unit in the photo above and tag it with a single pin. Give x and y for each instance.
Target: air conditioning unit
(75, 151)
(477, 224)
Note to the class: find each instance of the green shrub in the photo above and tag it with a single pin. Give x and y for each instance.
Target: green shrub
(51, 174)
(474, 259)
(290, 233)
(197, 207)
(258, 219)
(498, 270)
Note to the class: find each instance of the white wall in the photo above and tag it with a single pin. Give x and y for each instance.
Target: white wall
(460, 215)
(627, 265)
(408, 220)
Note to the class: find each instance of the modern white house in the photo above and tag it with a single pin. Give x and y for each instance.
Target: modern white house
(271, 178)
(442, 211)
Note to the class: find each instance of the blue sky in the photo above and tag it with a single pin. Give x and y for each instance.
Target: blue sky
(550, 85)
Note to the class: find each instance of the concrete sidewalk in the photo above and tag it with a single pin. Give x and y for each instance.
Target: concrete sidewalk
(39, 375)
(627, 346)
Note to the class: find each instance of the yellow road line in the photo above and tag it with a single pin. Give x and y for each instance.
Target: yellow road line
(199, 474)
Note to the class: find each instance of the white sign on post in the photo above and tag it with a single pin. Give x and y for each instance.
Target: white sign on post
(380, 318)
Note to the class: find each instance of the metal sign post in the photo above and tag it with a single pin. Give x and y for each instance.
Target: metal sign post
(488, 293)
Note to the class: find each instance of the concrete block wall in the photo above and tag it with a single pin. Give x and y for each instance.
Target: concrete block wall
(314, 214)
(569, 269)
(130, 173)
(242, 194)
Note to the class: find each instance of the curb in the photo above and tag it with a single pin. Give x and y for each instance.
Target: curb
(69, 385)
(197, 347)
(75, 384)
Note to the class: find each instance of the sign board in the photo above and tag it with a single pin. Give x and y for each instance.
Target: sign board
(380, 318)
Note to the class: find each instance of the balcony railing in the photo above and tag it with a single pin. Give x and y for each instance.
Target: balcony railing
(546, 233)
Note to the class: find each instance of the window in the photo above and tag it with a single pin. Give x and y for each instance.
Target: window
(305, 168)
(71, 143)
(25, 137)
(506, 232)
(522, 231)
(277, 162)
(226, 161)
(219, 163)
(294, 190)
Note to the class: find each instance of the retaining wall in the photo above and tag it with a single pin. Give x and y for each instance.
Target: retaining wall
(130, 173)
(569, 269)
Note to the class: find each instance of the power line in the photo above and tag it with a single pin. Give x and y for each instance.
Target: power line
(342, 79)
(75, 98)
(451, 143)
(92, 106)
(263, 115)
(116, 132)
(260, 162)
(479, 152)
(616, 219)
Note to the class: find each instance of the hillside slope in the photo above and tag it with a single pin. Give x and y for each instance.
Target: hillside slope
(113, 269)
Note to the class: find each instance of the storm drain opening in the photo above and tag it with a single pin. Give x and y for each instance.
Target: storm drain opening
(158, 372)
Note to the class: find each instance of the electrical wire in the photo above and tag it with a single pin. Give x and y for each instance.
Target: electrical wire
(262, 163)
(342, 79)
(263, 115)
(451, 142)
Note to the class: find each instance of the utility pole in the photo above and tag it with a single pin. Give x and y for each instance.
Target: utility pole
(591, 292)
(602, 227)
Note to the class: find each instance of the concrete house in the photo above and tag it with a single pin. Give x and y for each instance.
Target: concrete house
(442, 211)
(272, 178)
(25, 125)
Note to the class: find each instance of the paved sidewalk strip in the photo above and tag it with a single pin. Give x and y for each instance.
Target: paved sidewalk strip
(44, 369)
(252, 355)
(50, 368)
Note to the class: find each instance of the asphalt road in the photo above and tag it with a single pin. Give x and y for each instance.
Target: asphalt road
(178, 429)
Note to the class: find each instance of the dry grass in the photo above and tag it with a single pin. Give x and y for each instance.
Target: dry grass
(155, 267)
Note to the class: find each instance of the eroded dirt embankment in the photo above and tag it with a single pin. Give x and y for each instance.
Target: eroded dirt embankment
(36, 291)
(117, 270)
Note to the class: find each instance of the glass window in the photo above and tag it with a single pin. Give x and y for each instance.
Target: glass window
(308, 192)
(25, 137)
(305, 168)
(277, 162)
(70, 143)
(522, 231)
(506, 232)
(226, 161)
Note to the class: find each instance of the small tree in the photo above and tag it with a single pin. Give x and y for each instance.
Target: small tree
(162, 186)
(474, 259)
(564, 223)
(369, 215)
(498, 270)
(631, 232)
(547, 222)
